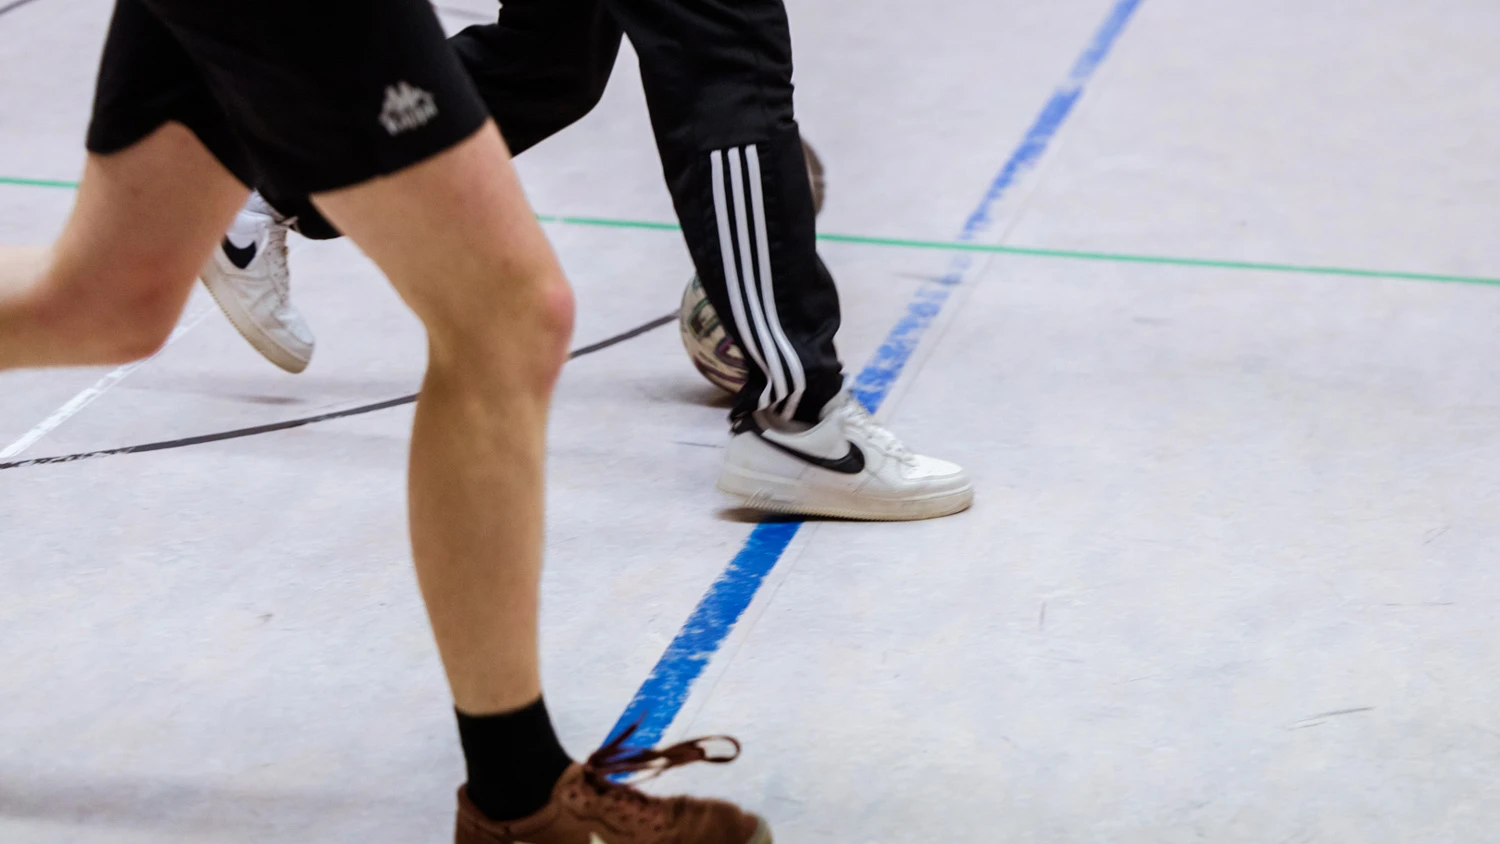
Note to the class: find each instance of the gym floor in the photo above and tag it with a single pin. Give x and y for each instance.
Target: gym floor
(1204, 294)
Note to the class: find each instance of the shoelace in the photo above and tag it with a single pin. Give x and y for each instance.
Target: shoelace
(877, 433)
(615, 758)
(276, 246)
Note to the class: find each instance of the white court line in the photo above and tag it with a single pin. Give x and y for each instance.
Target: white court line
(100, 387)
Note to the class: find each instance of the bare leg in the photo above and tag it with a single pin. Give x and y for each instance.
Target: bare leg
(114, 284)
(458, 240)
(466, 253)
(470, 259)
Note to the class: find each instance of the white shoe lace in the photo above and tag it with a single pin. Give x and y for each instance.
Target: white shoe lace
(281, 277)
(277, 226)
(856, 417)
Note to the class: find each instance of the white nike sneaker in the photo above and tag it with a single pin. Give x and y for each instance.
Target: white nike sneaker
(248, 277)
(847, 466)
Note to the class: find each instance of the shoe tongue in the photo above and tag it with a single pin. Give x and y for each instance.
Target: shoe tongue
(245, 231)
(259, 205)
(571, 776)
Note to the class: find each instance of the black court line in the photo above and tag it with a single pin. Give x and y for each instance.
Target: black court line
(11, 7)
(257, 430)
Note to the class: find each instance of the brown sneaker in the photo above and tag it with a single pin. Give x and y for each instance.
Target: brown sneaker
(589, 808)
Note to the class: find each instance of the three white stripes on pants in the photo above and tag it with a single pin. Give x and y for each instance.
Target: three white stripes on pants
(741, 211)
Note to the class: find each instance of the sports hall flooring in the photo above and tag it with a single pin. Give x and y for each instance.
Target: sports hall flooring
(1231, 573)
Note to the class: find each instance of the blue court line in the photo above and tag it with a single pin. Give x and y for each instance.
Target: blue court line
(661, 697)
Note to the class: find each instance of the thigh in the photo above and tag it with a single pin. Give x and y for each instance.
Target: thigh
(144, 220)
(465, 251)
(160, 185)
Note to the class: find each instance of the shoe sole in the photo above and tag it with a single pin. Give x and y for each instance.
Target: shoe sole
(777, 495)
(268, 348)
(762, 832)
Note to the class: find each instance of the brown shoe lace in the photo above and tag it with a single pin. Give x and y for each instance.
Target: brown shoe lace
(615, 759)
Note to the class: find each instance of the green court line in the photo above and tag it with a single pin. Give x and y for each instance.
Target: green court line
(1160, 260)
(37, 183)
(985, 248)
(605, 222)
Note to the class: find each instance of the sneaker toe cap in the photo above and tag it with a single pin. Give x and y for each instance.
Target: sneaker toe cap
(294, 330)
(933, 470)
(716, 820)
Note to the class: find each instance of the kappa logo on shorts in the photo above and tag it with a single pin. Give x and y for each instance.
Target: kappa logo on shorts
(407, 107)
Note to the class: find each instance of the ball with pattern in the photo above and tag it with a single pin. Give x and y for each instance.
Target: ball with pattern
(713, 352)
(709, 346)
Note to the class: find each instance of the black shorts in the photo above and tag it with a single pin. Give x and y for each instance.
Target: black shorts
(293, 96)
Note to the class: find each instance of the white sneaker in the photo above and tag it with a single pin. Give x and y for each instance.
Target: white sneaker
(248, 277)
(847, 466)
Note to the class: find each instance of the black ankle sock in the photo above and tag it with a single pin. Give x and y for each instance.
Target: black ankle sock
(514, 760)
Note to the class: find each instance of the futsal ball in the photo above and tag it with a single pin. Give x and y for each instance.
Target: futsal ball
(814, 176)
(709, 346)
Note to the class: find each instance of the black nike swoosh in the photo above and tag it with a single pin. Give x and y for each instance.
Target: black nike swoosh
(240, 256)
(850, 464)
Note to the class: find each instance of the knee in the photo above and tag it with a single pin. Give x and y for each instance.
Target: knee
(125, 318)
(150, 318)
(137, 322)
(554, 317)
(518, 341)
